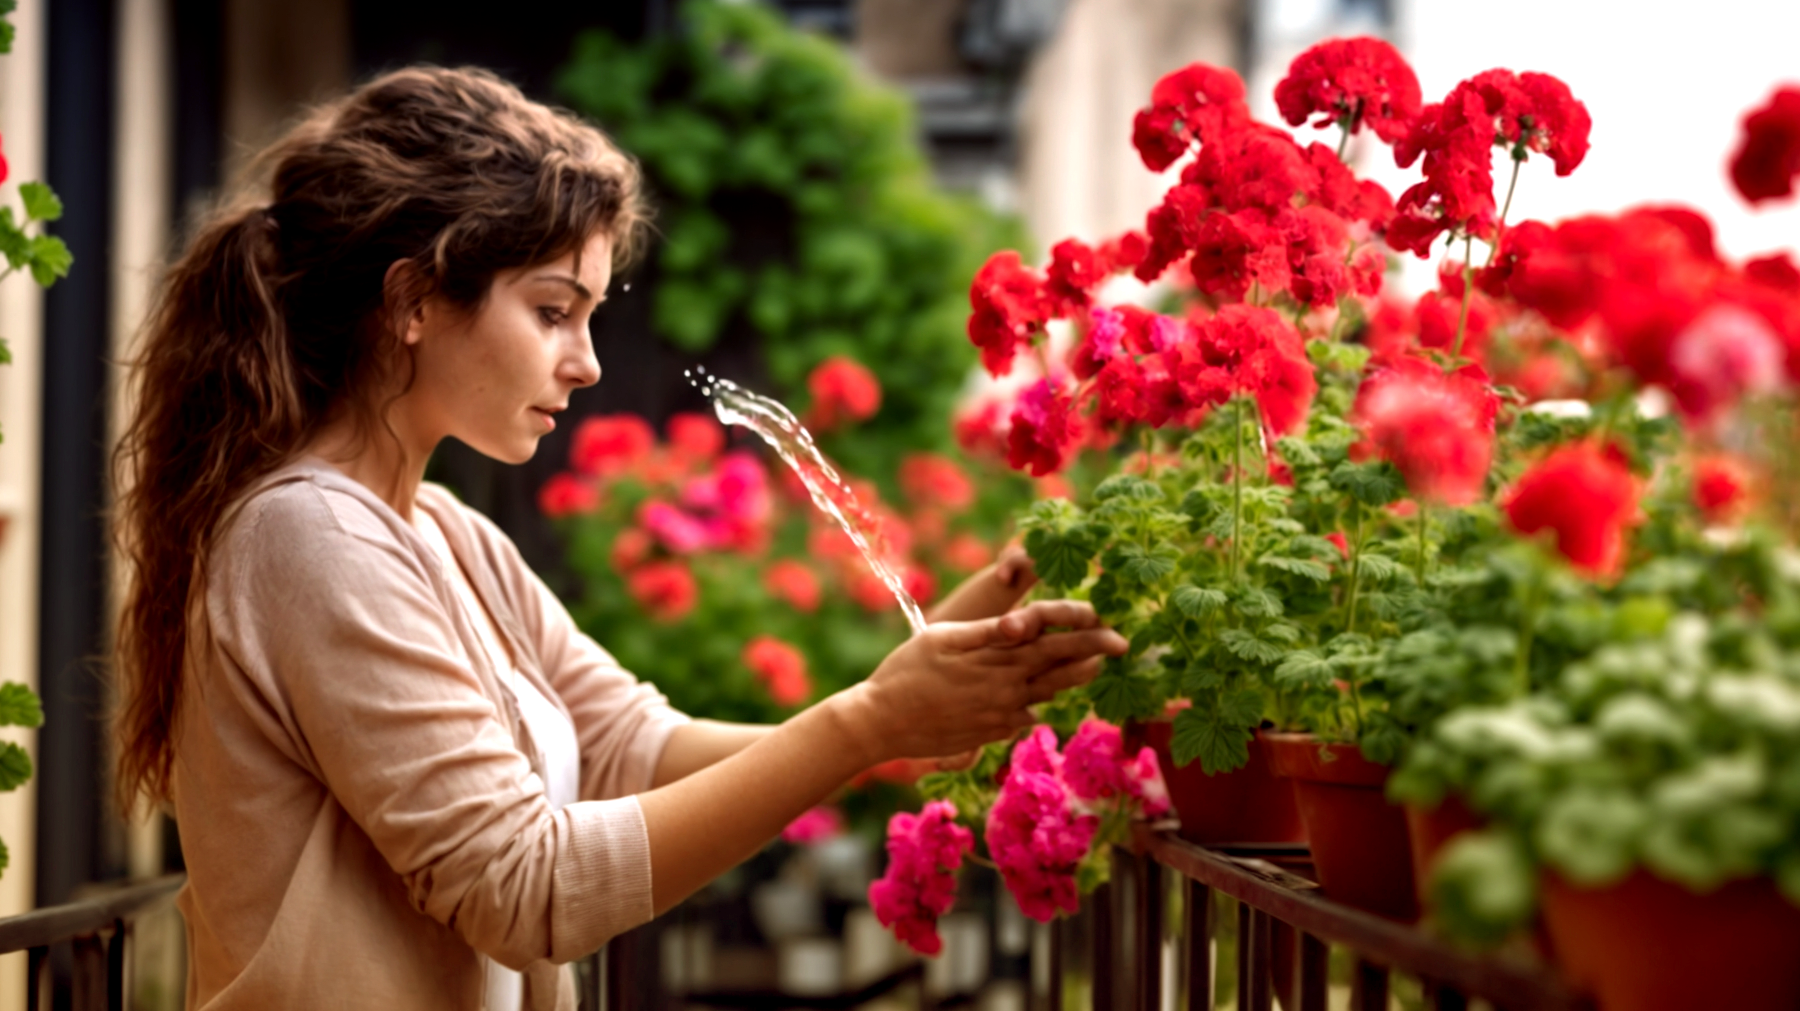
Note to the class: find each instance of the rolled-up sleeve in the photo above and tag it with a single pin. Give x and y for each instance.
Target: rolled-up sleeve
(343, 631)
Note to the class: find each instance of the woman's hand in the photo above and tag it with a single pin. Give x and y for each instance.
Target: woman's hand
(991, 592)
(959, 685)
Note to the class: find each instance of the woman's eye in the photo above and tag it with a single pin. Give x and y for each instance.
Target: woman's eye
(551, 315)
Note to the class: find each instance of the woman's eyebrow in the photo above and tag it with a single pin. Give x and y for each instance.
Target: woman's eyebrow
(580, 289)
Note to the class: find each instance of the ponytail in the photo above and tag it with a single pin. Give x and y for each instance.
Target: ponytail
(217, 408)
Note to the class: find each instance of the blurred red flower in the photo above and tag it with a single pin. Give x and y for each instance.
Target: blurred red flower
(780, 667)
(1721, 488)
(1583, 493)
(567, 494)
(630, 548)
(930, 479)
(793, 582)
(1768, 158)
(1437, 429)
(696, 438)
(610, 444)
(842, 390)
(665, 589)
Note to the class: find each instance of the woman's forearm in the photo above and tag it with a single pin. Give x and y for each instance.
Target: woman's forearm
(710, 820)
(697, 745)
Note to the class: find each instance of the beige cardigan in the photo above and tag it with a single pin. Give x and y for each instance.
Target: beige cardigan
(358, 811)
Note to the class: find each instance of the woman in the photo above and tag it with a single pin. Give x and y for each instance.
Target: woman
(403, 778)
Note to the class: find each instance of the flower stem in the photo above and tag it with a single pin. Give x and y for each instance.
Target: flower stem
(1355, 568)
(1462, 319)
(1424, 524)
(1237, 484)
(1500, 227)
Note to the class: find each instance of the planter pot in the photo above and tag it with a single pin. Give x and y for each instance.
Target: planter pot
(1648, 945)
(1247, 805)
(1359, 843)
(1429, 830)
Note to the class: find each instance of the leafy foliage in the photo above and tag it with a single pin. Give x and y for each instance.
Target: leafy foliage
(793, 197)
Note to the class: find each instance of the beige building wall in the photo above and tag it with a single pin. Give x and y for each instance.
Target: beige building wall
(21, 323)
(1078, 173)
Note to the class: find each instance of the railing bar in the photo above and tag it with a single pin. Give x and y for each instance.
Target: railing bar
(1315, 973)
(1053, 994)
(1507, 981)
(1442, 997)
(1150, 933)
(60, 923)
(89, 981)
(1244, 967)
(1198, 941)
(1262, 959)
(115, 965)
(1101, 957)
(1368, 987)
(38, 961)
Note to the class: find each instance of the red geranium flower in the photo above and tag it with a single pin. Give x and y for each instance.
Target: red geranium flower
(1523, 112)
(780, 667)
(610, 444)
(1075, 270)
(1721, 488)
(630, 548)
(695, 438)
(980, 430)
(1351, 82)
(566, 494)
(1044, 429)
(1768, 159)
(1725, 353)
(793, 582)
(1009, 305)
(933, 480)
(1587, 497)
(1249, 349)
(665, 589)
(842, 390)
(1198, 102)
(1775, 272)
(1437, 429)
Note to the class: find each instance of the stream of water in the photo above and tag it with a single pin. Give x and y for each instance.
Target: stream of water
(778, 427)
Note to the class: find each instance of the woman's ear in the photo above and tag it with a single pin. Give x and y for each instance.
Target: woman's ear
(403, 302)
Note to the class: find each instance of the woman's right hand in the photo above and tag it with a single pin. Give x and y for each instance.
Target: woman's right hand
(959, 685)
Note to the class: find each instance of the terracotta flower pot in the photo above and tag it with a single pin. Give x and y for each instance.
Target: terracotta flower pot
(1648, 945)
(1429, 830)
(1359, 843)
(1247, 805)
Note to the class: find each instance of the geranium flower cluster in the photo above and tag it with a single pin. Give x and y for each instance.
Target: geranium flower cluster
(924, 851)
(1282, 246)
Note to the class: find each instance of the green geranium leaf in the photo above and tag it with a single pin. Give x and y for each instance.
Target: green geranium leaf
(1062, 555)
(41, 202)
(50, 260)
(1248, 646)
(19, 706)
(1146, 566)
(1374, 484)
(15, 766)
(1303, 669)
(1196, 602)
(1305, 568)
(1591, 835)
(1118, 695)
(1127, 486)
(1256, 602)
(1218, 736)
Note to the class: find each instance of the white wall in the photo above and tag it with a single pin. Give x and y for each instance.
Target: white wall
(1667, 84)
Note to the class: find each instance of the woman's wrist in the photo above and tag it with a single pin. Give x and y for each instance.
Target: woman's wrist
(854, 715)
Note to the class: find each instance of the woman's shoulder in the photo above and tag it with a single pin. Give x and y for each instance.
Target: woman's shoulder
(304, 509)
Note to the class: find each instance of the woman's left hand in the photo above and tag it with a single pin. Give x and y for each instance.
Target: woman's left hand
(991, 592)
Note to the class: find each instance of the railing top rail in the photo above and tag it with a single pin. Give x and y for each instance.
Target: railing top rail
(42, 927)
(1508, 981)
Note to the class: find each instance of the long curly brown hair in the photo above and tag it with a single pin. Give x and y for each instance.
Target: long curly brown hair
(279, 318)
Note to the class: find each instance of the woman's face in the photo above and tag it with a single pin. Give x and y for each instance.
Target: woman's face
(495, 377)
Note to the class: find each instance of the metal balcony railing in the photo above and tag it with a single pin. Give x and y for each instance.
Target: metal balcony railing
(1285, 930)
(98, 930)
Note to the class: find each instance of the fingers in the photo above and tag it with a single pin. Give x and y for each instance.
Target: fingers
(1057, 648)
(1014, 569)
(1029, 622)
(1045, 686)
